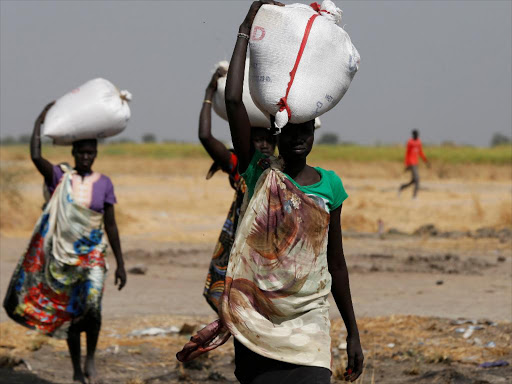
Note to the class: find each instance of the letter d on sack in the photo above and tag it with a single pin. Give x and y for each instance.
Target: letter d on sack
(258, 33)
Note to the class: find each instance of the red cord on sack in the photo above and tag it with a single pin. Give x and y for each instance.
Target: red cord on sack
(283, 101)
(316, 7)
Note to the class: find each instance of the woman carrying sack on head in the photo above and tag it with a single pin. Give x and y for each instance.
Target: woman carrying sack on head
(287, 256)
(58, 283)
(227, 160)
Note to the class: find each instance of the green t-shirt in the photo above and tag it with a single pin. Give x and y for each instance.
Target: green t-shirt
(329, 188)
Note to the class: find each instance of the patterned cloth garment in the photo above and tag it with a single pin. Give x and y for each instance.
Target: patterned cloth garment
(60, 277)
(277, 281)
(91, 191)
(214, 285)
(275, 300)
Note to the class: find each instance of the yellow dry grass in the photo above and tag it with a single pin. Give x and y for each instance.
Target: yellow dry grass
(169, 199)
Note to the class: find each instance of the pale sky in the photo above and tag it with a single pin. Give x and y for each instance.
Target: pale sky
(443, 67)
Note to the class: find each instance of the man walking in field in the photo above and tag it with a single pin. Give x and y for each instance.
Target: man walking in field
(414, 149)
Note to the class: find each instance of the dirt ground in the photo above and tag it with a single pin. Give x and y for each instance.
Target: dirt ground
(414, 286)
(398, 349)
(408, 291)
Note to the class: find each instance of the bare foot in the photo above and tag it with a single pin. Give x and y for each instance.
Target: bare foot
(90, 371)
(78, 377)
(94, 380)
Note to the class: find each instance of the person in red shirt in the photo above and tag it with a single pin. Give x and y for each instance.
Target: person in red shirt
(414, 149)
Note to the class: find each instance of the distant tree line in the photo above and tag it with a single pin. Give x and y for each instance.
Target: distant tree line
(11, 140)
(500, 139)
(148, 138)
(25, 139)
(330, 138)
(327, 138)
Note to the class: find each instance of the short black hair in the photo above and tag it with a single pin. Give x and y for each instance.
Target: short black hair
(79, 143)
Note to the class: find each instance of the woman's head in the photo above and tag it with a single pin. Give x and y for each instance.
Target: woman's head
(296, 140)
(84, 152)
(263, 140)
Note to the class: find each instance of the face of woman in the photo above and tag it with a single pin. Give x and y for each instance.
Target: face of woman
(84, 154)
(263, 140)
(296, 140)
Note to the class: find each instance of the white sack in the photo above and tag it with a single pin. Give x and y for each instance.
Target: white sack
(256, 116)
(94, 110)
(326, 68)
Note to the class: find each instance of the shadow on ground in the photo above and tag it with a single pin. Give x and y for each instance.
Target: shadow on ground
(9, 376)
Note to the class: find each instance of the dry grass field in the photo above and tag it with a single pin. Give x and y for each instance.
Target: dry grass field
(163, 194)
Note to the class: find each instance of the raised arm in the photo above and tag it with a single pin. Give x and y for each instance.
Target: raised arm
(239, 123)
(43, 166)
(113, 238)
(217, 150)
(341, 293)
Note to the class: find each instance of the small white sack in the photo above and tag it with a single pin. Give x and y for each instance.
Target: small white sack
(94, 110)
(256, 116)
(328, 63)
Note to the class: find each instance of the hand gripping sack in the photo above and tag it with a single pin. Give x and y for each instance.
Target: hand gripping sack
(302, 62)
(94, 110)
(256, 116)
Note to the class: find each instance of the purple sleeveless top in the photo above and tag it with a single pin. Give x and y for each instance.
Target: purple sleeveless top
(93, 191)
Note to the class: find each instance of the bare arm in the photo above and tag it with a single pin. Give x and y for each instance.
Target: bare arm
(217, 150)
(113, 238)
(423, 157)
(44, 167)
(239, 123)
(341, 292)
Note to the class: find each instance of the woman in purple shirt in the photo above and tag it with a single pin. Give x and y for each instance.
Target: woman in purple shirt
(58, 283)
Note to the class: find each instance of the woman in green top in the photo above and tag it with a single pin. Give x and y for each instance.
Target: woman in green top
(286, 258)
(325, 187)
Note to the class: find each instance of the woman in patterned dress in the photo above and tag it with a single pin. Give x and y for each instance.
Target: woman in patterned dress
(226, 160)
(58, 284)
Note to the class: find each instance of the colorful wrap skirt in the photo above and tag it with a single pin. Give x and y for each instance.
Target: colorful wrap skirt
(214, 285)
(59, 280)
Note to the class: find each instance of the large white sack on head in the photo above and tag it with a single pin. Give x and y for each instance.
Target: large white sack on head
(94, 110)
(328, 63)
(256, 116)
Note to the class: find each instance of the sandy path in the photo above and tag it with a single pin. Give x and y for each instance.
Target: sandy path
(383, 281)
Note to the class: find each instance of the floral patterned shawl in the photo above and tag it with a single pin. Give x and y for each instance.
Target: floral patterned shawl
(61, 275)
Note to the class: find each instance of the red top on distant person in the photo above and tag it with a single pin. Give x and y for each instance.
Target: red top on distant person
(413, 150)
